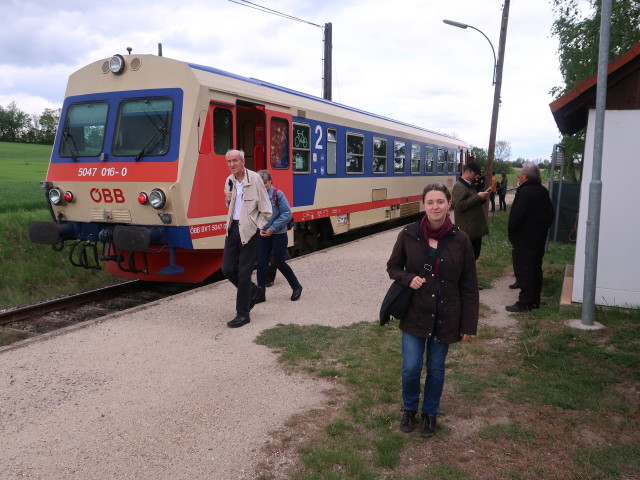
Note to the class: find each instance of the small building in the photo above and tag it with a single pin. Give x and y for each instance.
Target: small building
(618, 275)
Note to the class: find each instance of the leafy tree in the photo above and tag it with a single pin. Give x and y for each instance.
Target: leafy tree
(577, 28)
(48, 123)
(14, 123)
(503, 150)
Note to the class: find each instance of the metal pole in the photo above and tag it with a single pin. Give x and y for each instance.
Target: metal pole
(595, 186)
(496, 95)
(328, 53)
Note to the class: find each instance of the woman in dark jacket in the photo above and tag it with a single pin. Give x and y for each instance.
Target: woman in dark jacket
(444, 307)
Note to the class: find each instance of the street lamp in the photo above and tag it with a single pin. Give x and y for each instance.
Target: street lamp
(464, 25)
(497, 83)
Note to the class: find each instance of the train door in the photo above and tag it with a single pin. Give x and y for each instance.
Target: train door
(216, 136)
(250, 128)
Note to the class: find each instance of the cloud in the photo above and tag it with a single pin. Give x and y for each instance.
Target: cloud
(395, 58)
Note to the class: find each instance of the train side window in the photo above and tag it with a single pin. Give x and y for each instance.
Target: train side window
(455, 156)
(441, 160)
(143, 127)
(332, 151)
(399, 156)
(83, 133)
(279, 143)
(416, 154)
(301, 148)
(355, 153)
(222, 130)
(429, 160)
(379, 155)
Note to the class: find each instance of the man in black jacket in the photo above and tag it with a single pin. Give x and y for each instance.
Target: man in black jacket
(529, 221)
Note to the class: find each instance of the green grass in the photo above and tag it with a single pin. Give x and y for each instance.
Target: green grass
(30, 272)
(553, 403)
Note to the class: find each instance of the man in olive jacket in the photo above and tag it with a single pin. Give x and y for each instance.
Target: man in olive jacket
(468, 211)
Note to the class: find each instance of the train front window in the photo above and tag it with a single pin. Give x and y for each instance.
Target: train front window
(399, 156)
(379, 155)
(355, 153)
(143, 127)
(301, 148)
(416, 153)
(83, 132)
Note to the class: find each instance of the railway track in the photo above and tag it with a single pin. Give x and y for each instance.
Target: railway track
(32, 320)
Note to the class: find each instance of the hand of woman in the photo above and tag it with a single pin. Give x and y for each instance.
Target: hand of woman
(417, 282)
(464, 337)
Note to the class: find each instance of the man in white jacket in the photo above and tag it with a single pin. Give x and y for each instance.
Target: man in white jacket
(249, 211)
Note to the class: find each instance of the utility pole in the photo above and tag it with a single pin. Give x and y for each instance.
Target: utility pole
(496, 95)
(328, 51)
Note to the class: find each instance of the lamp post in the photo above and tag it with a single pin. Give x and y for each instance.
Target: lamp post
(497, 83)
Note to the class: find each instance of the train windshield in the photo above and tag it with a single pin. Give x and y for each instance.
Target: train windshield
(83, 133)
(143, 127)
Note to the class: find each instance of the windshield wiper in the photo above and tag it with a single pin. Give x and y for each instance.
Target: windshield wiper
(73, 152)
(163, 130)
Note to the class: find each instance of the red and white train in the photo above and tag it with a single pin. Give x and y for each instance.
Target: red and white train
(136, 175)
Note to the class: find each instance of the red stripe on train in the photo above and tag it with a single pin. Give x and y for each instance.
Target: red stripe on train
(113, 172)
(220, 228)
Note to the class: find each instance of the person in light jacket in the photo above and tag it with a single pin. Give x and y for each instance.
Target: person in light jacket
(444, 308)
(249, 211)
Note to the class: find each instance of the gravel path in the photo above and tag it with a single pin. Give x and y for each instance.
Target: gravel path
(167, 391)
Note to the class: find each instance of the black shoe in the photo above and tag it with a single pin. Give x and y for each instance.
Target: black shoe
(480, 287)
(428, 426)
(514, 285)
(518, 308)
(296, 293)
(408, 422)
(269, 283)
(238, 322)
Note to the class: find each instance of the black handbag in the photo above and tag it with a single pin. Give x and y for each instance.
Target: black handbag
(397, 300)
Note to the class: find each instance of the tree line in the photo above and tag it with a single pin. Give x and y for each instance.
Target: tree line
(18, 126)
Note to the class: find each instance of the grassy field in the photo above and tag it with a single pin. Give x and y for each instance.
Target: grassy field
(544, 402)
(30, 272)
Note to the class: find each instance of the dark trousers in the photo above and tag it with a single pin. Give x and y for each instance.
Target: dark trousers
(476, 243)
(275, 245)
(238, 262)
(503, 202)
(492, 199)
(527, 267)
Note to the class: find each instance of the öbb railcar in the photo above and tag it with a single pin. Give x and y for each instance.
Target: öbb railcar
(135, 181)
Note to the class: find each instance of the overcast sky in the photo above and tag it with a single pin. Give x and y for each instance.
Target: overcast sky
(391, 57)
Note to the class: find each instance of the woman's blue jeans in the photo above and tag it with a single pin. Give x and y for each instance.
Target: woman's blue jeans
(413, 349)
(275, 245)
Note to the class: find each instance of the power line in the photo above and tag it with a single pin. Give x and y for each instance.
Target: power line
(255, 6)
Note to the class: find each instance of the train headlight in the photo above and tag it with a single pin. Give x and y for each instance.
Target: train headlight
(143, 198)
(55, 196)
(116, 64)
(157, 198)
(68, 197)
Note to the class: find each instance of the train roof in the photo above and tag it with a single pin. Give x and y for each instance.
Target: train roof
(313, 98)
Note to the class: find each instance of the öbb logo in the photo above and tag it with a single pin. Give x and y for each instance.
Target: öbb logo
(106, 195)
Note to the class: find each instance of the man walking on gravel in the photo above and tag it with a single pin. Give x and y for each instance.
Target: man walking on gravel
(249, 211)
